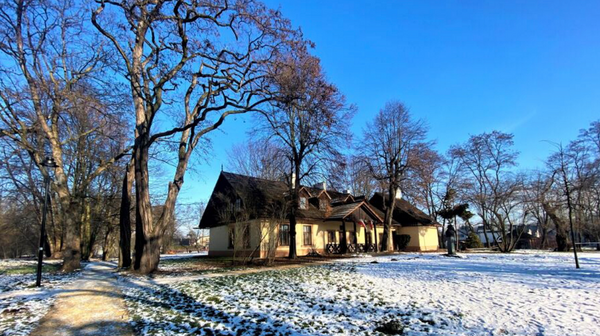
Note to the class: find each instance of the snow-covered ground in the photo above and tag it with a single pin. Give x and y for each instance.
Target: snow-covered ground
(181, 264)
(425, 294)
(183, 255)
(22, 304)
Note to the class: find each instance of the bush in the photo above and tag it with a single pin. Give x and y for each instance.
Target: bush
(403, 241)
(473, 241)
(392, 327)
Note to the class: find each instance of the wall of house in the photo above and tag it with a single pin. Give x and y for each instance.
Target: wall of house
(422, 238)
(219, 241)
(318, 237)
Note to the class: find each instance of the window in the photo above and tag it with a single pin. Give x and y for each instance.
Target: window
(307, 234)
(322, 205)
(284, 235)
(303, 203)
(238, 205)
(331, 237)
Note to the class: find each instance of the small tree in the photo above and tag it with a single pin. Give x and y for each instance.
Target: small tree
(473, 240)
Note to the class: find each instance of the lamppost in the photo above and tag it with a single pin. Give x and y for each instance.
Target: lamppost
(48, 163)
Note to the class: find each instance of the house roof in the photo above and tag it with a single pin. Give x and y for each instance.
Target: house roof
(264, 196)
(343, 211)
(405, 213)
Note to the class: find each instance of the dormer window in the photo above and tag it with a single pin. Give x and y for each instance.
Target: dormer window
(303, 203)
(322, 205)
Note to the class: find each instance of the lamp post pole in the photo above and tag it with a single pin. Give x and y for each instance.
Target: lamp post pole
(48, 163)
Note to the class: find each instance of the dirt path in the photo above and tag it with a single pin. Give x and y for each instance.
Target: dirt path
(92, 305)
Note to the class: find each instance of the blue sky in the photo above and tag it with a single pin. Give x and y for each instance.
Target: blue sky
(531, 68)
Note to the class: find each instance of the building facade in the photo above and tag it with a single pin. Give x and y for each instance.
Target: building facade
(248, 216)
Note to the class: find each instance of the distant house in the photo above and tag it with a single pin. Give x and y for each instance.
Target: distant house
(528, 236)
(328, 221)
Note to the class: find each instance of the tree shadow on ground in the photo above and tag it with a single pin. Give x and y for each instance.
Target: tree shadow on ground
(178, 308)
(358, 315)
(97, 328)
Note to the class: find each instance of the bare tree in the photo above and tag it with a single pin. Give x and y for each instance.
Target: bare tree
(354, 175)
(487, 160)
(536, 194)
(258, 158)
(206, 59)
(560, 159)
(390, 144)
(54, 100)
(308, 121)
(424, 179)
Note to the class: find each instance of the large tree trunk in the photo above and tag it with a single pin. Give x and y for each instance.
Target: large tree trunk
(561, 232)
(293, 253)
(152, 242)
(72, 252)
(87, 236)
(166, 219)
(147, 243)
(485, 235)
(390, 203)
(125, 218)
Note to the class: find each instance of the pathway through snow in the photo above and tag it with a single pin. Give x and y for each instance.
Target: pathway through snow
(92, 305)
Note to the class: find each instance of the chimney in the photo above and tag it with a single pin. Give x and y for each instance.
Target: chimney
(398, 193)
(321, 185)
(348, 191)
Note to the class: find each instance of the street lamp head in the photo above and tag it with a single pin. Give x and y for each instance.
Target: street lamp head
(49, 162)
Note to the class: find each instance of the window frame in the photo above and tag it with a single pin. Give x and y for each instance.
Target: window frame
(305, 236)
(283, 236)
(303, 203)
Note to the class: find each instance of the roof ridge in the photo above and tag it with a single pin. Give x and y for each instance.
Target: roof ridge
(275, 181)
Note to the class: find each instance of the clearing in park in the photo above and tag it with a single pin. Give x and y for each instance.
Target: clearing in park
(533, 293)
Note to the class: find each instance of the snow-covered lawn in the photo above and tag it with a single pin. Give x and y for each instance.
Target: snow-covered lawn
(22, 304)
(428, 294)
(185, 264)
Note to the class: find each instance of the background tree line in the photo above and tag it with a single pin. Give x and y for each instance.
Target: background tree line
(474, 184)
(109, 89)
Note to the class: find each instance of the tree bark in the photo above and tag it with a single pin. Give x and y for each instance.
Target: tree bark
(386, 241)
(125, 217)
(561, 234)
(293, 253)
(72, 252)
(147, 243)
